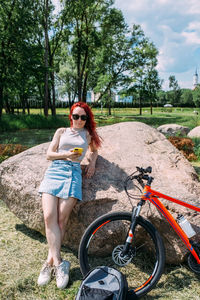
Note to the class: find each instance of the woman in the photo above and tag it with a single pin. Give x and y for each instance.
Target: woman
(62, 185)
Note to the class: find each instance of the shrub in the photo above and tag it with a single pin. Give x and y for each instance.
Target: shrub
(197, 147)
(8, 150)
(185, 145)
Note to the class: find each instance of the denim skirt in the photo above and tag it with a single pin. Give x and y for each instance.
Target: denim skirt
(63, 179)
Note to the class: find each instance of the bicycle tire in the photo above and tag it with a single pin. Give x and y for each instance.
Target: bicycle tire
(102, 238)
(192, 263)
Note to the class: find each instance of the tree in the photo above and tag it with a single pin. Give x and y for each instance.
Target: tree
(196, 96)
(186, 98)
(46, 56)
(67, 76)
(162, 98)
(175, 94)
(55, 29)
(31, 35)
(151, 80)
(100, 52)
(84, 41)
(19, 25)
(114, 57)
(152, 85)
(104, 49)
(145, 80)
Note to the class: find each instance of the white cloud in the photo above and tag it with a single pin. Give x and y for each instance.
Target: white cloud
(57, 5)
(193, 7)
(191, 37)
(192, 33)
(194, 26)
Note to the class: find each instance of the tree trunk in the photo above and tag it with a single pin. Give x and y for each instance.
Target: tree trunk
(151, 107)
(23, 103)
(109, 109)
(70, 101)
(79, 78)
(1, 101)
(46, 90)
(7, 105)
(84, 96)
(49, 100)
(140, 105)
(53, 108)
(109, 102)
(27, 105)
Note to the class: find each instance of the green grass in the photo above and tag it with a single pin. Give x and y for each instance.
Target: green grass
(23, 251)
(181, 116)
(33, 121)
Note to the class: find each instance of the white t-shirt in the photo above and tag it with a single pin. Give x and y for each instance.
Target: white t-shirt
(73, 137)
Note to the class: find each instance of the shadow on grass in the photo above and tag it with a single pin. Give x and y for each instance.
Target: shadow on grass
(158, 121)
(175, 280)
(152, 120)
(75, 274)
(33, 234)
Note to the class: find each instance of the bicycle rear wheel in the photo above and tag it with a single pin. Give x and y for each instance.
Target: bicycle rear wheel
(103, 242)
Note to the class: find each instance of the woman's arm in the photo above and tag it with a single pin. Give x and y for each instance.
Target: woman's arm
(93, 154)
(52, 153)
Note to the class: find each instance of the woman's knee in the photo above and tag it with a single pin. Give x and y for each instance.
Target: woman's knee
(50, 218)
(65, 209)
(49, 205)
(63, 219)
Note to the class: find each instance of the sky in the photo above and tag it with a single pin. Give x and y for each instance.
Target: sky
(174, 27)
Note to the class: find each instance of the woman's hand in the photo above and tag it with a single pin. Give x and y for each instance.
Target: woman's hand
(72, 155)
(89, 170)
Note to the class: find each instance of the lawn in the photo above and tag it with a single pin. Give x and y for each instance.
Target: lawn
(160, 116)
(23, 251)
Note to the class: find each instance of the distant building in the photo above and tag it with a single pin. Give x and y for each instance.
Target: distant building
(195, 80)
(93, 97)
(126, 99)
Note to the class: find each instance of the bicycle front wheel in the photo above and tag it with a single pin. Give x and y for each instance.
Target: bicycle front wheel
(102, 244)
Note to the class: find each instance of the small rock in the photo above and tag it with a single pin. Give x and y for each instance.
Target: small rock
(173, 129)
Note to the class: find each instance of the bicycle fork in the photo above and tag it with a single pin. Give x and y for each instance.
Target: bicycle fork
(129, 239)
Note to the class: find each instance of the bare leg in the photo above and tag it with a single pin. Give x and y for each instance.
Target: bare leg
(64, 210)
(53, 233)
(50, 258)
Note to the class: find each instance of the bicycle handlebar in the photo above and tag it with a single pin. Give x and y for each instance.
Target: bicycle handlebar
(147, 170)
(139, 177)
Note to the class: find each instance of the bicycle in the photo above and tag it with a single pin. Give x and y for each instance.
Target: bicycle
(127, 241)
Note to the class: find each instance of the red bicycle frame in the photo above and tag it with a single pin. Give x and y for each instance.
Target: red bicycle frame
(152, 196)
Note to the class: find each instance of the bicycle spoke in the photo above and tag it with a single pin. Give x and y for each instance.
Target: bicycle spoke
(106, 242)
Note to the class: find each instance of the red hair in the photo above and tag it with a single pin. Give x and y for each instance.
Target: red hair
(90, 124)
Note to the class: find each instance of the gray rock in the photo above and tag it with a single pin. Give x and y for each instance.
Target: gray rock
(125, 146)
(173, 129)
(195, 132)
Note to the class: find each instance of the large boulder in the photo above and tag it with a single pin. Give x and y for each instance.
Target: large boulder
(125, 146)
(173, 129)
(194, 133)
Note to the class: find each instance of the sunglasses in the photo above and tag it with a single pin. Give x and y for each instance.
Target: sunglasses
(76, 117)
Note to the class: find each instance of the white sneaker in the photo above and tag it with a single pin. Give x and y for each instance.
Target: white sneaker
(62, 274)
(45, 274)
